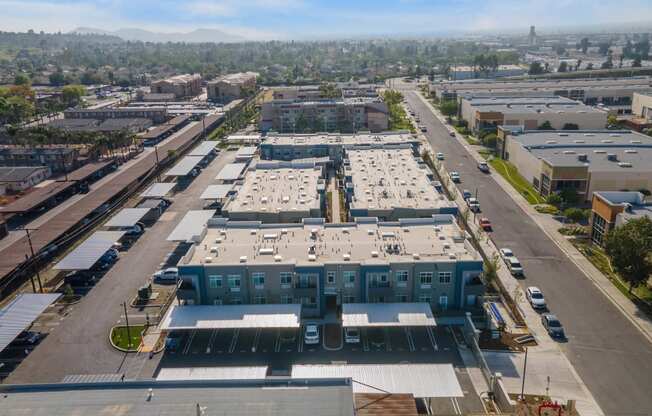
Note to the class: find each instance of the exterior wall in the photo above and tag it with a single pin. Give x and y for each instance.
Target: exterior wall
(642, 106)
(180, 88)
(58, 160)
(527, 165)
(33, 179)
(157, 115)
(586, 121)
(619, 180)
(223, 91)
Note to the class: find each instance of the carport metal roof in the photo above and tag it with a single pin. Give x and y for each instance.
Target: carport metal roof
(216, 191)
(246, 152)
(232, 316)
(191, 225)
(158, 190)
(128, 217)
(420, 380)
(386, 314)
(89, 252)
(212, 373)
(184, 166)
(20, 313)
(203, 149)
(231, 172)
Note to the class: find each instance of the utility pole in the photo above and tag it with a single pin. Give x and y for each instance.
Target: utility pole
(523, 382)
(31, 277)
(31, 249)
(158, 174)
(124, 304)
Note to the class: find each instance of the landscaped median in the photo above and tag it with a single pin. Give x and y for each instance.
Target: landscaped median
(511, 175)
(127, 343)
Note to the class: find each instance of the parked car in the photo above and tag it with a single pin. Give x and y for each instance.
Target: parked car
(485, 224)
(455, 176)
(514, 266)
(483, 167)
(352, 335)
(440, 156)
(438, 186)
(417, 119)
(27, 338)
(466, 194)
(171, 273)
(311, 335)
(506, 252)
(535, 297)
(474, 204)
(77, 279)
(552, 325)
(452, 134)
(172, 341)
(137, 229)
(423, 128)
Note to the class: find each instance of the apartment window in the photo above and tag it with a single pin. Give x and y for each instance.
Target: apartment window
(445, 277)
(401, 298)
(349, 279)
(234, 282)
(330, 278)
(599, 229)
(258, 280)
(309, 301)
(425, 298)
(286, 299)
(259, 300)
(378, 280)
(443, 302)
(214, 281)
(349, 299)
(426, 280)
(401, 278)
(286, 280)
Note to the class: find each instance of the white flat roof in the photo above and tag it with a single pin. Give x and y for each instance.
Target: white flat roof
(89, 252)
(420, 380)
(191, 225)
(232, 316)
(19, 314)
(246, 151)
(386, 314)
(128, 217)
(216, 191)
(212, 373)
(203, 149)
(184, 166)
(158, 190)
(231, 172)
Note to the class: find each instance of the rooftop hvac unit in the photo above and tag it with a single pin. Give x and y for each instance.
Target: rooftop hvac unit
(346, 256)
(243, 259)
(278, 258)
(213, 249)
(612, 157)
(208, 259)
(266, 251)
(416, 256)
(374, 253)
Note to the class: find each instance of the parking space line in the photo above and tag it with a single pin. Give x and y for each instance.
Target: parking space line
(277, 344)
(211, 341)
(254, 347)
(456, 406)
(186, 348)
(388, 340)
(410, 340)
(365, 341)
(234, 340)
(300, 340)
(433, 340)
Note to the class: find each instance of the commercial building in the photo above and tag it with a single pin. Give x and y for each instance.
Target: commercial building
(469, 72)
(278, 192)
(315, 92)
(342, 114)
(612, 209)
(131, 125)
(613, 93)
(182, 86)
(391, 183)
(586, 161)
(332, 145)
(531, 113)
(231, 87)
(323, 265)
(18, 179)
(156, 114)
(641, 112)
(58, 158)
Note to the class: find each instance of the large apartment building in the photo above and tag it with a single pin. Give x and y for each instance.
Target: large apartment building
(231, 87)
(182, 86)
(156, 114)
(332, 145)
(470, 72)
(586, 161)
(530, 113)
(614, 93)
(391, 183)
(346, 115)
(322, 265)
(58, 158)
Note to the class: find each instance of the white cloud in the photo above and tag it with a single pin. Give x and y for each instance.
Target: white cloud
(230, 8)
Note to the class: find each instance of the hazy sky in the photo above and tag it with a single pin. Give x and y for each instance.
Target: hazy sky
(283, 19)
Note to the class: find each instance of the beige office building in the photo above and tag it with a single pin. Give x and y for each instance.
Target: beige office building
(182, 86)
(231, 87)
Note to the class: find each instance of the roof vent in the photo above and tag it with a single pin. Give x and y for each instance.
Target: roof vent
(278, 258)
(208, 259)
(312, 257)
(266, 251)
(243, 259)
(612, 157)
(452, 256)
(346, 256)
(213, 249)
(416, 256)
(374, 253)
(625, 164)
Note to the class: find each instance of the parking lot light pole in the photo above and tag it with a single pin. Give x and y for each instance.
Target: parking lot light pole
(523, 382)
(124, 304)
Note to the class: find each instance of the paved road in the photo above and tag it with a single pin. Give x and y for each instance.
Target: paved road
(611, 356)
(79, 345)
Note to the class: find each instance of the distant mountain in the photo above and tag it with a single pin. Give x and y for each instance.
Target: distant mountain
(196, 36)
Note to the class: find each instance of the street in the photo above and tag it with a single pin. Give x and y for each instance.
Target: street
(609, 353)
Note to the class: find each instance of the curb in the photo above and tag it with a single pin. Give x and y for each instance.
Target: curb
(120, 348)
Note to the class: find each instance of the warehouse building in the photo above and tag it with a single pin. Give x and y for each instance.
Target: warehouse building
(231, 87)
(531, 113)
(586, 161)
(18, 179)
(332, 145)
(278, 192)
(182, 86)
(321, 265)
(391, 183)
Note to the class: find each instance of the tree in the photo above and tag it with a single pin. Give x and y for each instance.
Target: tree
(636, 63)
(612, 120)
(554, 199)
(589, 66)
(608, 64)
(569, 196)
(545, 126)
(490, 140)
(21, 79)
(535, 68)
(563, 66)
(72, 94)
(570, 126)
(629, 247)
(575, 214)
(57, 79)
(448, 108)
(329, 90)
(491, 268)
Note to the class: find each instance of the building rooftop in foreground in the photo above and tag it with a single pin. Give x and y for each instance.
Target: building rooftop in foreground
(390, 178)
(634, 204)
(315, 242)
(605, 150)
(398, 137)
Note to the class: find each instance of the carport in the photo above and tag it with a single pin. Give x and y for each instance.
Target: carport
(127, 218)
(361, 315)
(203, 149)
(90, 251)
(158, 190)
(185, 166)
(191, 226)
(216, 192)
(231, 172)
(191, 317)
(19, 314)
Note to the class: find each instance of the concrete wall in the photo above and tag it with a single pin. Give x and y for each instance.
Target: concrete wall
(642, 106)
(527, 164)
(625, 178)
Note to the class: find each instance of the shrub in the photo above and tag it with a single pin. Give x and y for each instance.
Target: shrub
(554, 199)
(575, 214)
